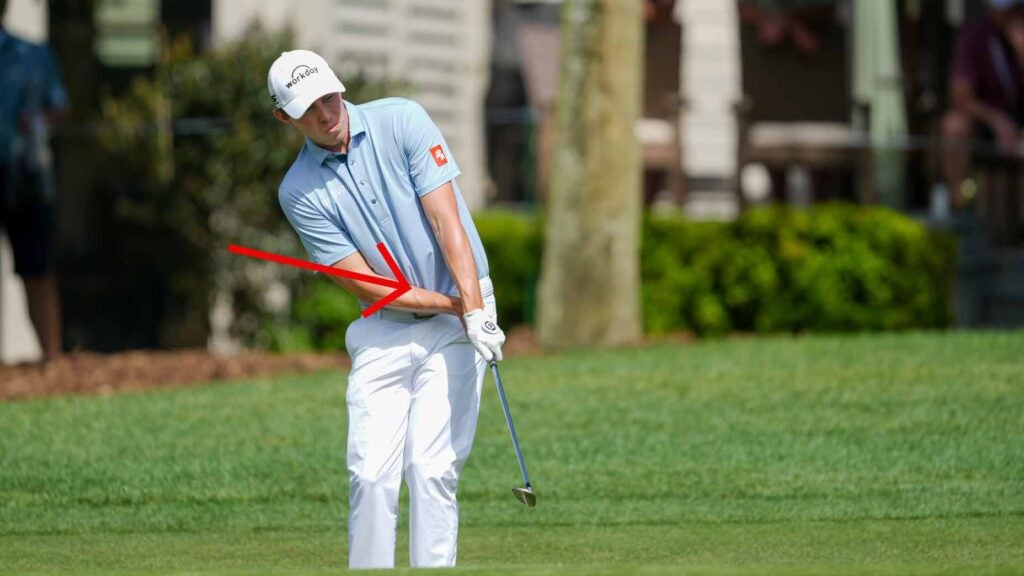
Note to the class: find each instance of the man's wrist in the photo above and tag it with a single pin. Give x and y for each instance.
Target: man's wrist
(470, 304)
(455, 306)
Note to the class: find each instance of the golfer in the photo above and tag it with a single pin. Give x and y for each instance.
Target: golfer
(375, 173)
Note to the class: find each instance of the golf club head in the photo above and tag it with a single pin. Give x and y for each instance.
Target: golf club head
(526, 496)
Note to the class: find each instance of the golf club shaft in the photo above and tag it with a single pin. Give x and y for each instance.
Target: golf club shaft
(508, 420)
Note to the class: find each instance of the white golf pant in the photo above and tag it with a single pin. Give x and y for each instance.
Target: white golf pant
(413, 398)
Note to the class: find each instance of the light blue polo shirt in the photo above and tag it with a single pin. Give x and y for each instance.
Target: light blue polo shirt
(339, 204)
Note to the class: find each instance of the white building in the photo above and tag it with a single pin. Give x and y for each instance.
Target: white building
(710, 85)
(440, 48)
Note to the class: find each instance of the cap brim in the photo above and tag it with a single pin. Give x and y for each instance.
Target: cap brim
(321, 86)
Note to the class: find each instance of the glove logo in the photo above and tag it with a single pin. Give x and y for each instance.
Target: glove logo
(490, 327)
(438, 154)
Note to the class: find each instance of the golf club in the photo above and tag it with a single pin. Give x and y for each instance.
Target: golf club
(524, 494)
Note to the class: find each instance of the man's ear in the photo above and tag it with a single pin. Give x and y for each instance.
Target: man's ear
(281, 116)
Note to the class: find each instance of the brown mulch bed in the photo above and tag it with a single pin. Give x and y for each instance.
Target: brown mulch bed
(91, 373)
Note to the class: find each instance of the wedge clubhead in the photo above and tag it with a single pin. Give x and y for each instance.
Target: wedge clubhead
(524, 494)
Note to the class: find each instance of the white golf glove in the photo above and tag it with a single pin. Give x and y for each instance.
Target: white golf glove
(484, 334)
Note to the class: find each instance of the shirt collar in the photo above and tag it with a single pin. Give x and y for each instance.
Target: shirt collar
(320, 155)
(356, 123)
(356, 126)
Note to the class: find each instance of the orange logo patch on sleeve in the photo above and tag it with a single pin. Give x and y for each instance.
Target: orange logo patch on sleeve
(438, 155)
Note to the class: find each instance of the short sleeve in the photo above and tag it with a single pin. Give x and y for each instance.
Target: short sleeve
(325, 242)
(430, 161)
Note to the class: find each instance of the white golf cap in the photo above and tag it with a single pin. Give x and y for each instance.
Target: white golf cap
(297, 78)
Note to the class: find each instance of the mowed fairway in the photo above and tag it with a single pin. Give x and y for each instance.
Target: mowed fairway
(895, 454)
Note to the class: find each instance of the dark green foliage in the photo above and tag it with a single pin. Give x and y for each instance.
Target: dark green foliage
(318, 321)
(680, 263)
(843, 268)
(829, 268)
(201, 157)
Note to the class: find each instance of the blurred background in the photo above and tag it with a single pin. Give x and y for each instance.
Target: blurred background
(166, 151)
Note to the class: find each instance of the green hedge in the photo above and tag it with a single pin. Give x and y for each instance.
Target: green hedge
(829, 268)
(319, 317)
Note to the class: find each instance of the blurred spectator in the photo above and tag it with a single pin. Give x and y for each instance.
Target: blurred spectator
(986, 90)
(782, 21)
(31, 102)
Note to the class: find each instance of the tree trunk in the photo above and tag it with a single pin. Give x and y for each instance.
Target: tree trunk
(71, 37)
(590, 277)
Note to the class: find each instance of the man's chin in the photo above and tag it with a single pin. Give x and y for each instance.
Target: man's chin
(329, 140)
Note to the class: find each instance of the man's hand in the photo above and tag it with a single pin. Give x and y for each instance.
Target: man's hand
(484, 334)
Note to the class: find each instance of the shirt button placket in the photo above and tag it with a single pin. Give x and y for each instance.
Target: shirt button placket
(367, 194)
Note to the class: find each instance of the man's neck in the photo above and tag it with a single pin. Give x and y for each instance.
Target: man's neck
(348, 128)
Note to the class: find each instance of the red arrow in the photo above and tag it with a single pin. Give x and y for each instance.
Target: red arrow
(401, 285)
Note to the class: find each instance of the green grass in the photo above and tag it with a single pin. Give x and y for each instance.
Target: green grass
(895, 454)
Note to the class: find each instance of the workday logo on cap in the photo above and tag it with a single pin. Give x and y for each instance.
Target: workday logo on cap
(301, 71)
(297, 78)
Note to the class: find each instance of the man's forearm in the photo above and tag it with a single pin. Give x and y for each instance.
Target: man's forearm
(458, 255)
(442, 212)
(413, 300)
(427, 301)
